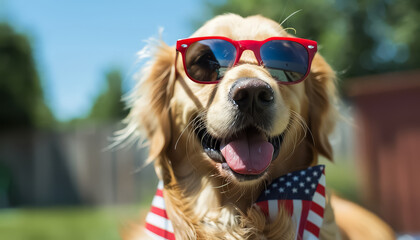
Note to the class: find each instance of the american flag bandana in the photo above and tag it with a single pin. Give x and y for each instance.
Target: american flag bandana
(158, 225)
(301, 193)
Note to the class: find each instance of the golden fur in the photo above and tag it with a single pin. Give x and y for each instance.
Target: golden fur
(204, 201)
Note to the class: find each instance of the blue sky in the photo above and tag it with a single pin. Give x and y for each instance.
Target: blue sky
(76, 42)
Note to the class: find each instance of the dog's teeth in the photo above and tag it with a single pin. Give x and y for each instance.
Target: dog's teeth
(213, 154)
(225, 166)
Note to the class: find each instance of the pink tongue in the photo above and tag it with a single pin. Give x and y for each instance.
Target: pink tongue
(248, 153)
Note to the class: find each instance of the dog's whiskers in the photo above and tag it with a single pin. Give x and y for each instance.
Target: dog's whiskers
(291, 15)
(297, 121)
(183, 131)
(293, 138)
(193, 122)
(223, 185)
(191, 137)
(303, 124)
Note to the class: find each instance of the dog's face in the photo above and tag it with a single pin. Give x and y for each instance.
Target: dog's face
(247, 128)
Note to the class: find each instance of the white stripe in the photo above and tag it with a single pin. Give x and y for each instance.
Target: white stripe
(159, 222)
(308, 236)
(319, 199)
(297, 212)
(273, 209)
(160, 185)
(315, 218)
(159, 202)
(322, 180)
(154, 235)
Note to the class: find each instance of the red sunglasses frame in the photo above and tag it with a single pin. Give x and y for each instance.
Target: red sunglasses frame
(183, 44)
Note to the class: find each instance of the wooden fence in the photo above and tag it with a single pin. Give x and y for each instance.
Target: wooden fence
(388, 139)
(70, 167)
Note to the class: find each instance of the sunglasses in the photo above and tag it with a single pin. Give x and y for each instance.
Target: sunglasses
(207, 59)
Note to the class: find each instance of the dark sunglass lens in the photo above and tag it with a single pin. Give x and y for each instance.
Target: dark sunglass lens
(286, 61)
(208, 60)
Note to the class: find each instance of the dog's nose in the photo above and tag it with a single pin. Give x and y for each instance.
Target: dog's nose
(251, 94)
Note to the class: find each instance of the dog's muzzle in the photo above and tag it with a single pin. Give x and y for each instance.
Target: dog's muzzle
(248, 149)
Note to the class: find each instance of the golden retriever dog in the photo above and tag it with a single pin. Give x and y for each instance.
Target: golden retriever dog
(223, 125)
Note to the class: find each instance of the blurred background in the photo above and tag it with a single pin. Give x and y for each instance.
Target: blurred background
(65, 65)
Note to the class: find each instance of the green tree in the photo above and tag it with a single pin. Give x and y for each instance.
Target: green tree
(22, 102)
(108, 106)
(357, 37)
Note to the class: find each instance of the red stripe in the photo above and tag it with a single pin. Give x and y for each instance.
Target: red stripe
(263, 206)
(321, 190)
(304, 216)
(312, 228)
(160, 212)
(317, 209)
(159, 193)
(160, 232)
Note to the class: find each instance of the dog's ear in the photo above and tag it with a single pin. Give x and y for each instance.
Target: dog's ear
(321, 91)
(149, 102)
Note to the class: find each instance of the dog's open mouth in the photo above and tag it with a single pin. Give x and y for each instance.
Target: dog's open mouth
(247, 153)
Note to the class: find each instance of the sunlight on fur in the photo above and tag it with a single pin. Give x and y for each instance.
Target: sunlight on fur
(204, 197)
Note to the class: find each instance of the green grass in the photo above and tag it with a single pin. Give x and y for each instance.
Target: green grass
(341, 177)
(105, 223)
(66, 223)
